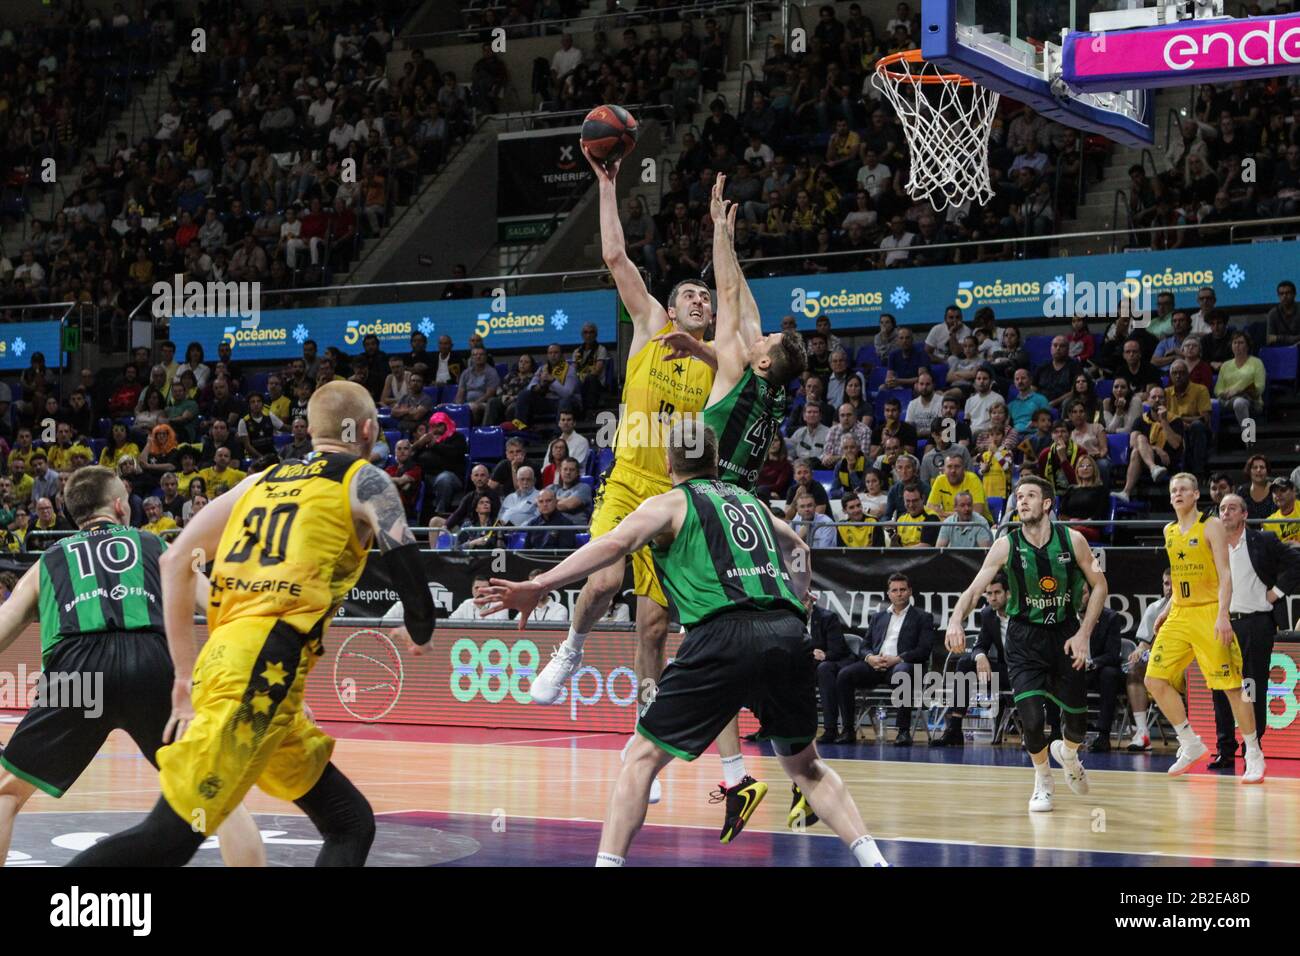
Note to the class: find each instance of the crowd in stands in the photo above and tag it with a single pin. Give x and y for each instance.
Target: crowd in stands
(279, 152)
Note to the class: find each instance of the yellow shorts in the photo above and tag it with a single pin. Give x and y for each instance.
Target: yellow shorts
(248, 726)
(1189, 632)
(620, 495)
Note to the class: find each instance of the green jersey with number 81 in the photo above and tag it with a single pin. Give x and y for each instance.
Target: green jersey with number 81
(726, 556)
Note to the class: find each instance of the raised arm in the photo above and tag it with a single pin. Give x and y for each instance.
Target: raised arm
(648, 316)
(728, 340)
(377, 505)
(955, 640)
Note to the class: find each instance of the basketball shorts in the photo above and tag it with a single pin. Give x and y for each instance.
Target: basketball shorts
(761, 660)
(93, 684)
(1188, 632)
(249, 727)
(621, 493)
(1039, 666)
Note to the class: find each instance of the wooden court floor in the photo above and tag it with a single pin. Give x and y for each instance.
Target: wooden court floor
(554, 788)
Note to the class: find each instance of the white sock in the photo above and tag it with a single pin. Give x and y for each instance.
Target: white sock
(609, 859)
(1140, 723)
(575, 640)
(866, 852)
(1185, 733)
(733, 770)
(1252, 743)
(1071, 750)
(1043, 770)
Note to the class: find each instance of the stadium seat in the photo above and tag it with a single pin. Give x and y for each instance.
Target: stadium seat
(103, 427)
(865, 357)
(515, 540)
(281, 440)
(582, 537)
(904, 395)
(604, 458)
(826, 478)
(588, 480)
(996, 506)
(921, 445)
(256, 383)
(458, 413)
(940, 373)
(433, 391)
(876, 378)
(386, 421)
(503, 370)
(1216, 410)
(1104, 388)
(486, 443)
(1118, 445)
(97, 446)
(1039, 348)
(391, 435)
(1280, 364)
(445, 541)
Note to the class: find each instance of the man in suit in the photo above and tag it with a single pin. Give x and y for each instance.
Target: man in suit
(1263, 570)
(1105, 673)
(900, 636)
(993, 628)
(548, 515)
(832, 653)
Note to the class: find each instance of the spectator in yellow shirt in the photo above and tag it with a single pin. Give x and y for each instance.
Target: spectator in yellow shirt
(156, 521)
(60, 454)
(22, 481)
(955, 478)
(1284, 498)
(1190, 403)
(23, 449)
(119, 446)
(220, 478)
(863, 536)
(277, 403)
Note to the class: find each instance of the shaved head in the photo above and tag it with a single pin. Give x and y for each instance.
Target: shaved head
(345, 414)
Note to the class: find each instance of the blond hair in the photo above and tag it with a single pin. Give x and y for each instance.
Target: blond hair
(333, 406)
(1188, 477)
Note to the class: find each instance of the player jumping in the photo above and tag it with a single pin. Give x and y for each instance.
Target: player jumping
(288, 545)
(656, 392)
(1196, 624)
(1047, 565)
(737, 576)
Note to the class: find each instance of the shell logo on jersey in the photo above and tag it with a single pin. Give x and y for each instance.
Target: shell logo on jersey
(1047, 584)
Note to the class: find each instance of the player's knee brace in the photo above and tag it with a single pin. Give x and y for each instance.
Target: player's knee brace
(1032, 723)
(1075, 727)
(343, 817)
(162, 839)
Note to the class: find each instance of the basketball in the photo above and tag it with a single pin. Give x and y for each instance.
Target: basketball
(609, 132)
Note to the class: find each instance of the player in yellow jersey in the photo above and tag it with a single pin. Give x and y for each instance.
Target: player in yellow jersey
(1196, 624)
(656, 393)
(287, 545)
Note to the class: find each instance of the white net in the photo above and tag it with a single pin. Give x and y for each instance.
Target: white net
(947, 120)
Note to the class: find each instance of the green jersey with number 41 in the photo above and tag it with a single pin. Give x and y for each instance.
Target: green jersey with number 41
(745, 421)
(726, 556)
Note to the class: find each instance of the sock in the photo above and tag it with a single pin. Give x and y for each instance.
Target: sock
(1185, 733)
(733, 770)
(866, 852)
(575, 640)
(1043, 770)
(1071, 750)
(609, 859)
(1252, 743)
(1140, 723)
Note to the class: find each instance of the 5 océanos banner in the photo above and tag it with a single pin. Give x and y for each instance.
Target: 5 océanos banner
(527, 322)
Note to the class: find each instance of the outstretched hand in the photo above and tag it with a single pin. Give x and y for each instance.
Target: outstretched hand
(683, 345)
(502, 595)
(718, 205)
(607, 170)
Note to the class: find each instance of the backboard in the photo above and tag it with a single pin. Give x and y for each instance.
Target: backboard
(1014, 47)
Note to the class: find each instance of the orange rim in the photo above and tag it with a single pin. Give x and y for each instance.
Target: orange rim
(914, 56)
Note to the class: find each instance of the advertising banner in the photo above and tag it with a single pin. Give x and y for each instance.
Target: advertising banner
(1047, 289)
(529, 322)
(18, 340)
(539, 169)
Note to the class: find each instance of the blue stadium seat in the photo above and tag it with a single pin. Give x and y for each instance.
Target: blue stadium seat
(826, 478)
(904, 395)
(515, 540)
(1118, 445)
(582, 537)
(866, 357)
(876, 378)
(458, 413)
(97, 446)
(103, 427)
(1104, 387)
(604, 458)
(386, 421)
(589, 481)
(921, 445)
(282, 440)
(391, 435)
(996, 505)
(433, 391)
(1039, 348)
(445, 541)
(255, 384)
(1280, 364)
(503, 370)
(940, 373)
(486, 443)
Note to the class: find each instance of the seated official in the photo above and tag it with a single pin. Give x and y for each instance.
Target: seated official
(1105, 673)
(832, 653)
(993, 631)
(899, 637)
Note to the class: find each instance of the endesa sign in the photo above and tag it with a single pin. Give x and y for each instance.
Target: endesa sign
(1188, 52)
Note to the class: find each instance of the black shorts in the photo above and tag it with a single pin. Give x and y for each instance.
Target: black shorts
(761, 660)
(95, 683)
(1039, 666)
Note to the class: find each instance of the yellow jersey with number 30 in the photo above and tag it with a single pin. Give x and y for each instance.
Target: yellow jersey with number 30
(290, 550)
(656, 392)
(1191, 565)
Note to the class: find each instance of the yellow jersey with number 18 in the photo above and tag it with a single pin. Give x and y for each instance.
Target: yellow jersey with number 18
(290, 549)
(1191, 565)
(656, 392)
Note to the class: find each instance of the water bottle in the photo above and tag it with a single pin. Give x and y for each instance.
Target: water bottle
(878, 722)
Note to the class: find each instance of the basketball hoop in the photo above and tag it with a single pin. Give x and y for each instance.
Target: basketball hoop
(947, 119)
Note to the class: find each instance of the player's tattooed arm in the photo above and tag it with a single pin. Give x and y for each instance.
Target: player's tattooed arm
(380, 501)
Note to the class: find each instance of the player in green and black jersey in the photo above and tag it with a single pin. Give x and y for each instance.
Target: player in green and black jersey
(104, 658)
(745, 409)
(738, 576)
(1047, 645)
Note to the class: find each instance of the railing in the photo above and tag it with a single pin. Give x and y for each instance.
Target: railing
(1114, 213)
(1148, 158)
(1173, 121)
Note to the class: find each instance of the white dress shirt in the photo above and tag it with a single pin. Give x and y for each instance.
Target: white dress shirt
(890, 647)
(1249, 596)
